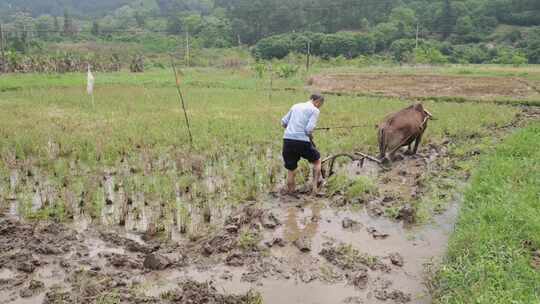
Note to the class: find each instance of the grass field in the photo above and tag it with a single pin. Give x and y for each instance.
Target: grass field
(493, 256)
(137, 118)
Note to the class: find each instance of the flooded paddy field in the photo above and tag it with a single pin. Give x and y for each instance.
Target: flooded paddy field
(111, 205)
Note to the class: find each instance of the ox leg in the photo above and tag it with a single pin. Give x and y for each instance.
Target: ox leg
(417, 143)
(410, 150)
(382, 145)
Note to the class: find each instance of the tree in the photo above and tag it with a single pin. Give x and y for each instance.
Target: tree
(465, 29)
(68, 24)
(447, 20)
(95, 28)
(533, 46)
(340, 44)
(192, 24)
(216, 32)
(56, 25)
(402, 48)
(44, 24)
(273, 47)
(174, 25)
(384, 34)
(364, 24)
(140, 19)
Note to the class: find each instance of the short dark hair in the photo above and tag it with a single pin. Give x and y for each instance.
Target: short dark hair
(317, 96)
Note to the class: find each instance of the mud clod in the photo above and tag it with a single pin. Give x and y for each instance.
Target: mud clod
(397, 296)
(348, 223)
(374, 209)
(303, 244)
(359, 279)
(376, 234)
(270, 221)
(407, 213)
(34, 288)
(276, 242)
(46, 249)
(307, 277)
(155, 261)
(348, 258)
(27, 266)
(193, 292)
(122, 261)
(129, 244)
(232, 229)
(353, 300)
(57, 295)
(235, 260)
(396, 259)
(221, 243)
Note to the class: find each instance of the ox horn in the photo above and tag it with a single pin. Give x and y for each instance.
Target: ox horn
(430, 115)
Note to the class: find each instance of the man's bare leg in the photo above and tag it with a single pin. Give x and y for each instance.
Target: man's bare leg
(291, 184)
(316, 176)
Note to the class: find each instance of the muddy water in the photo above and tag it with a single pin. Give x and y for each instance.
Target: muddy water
(49, 275)
(417, 246)
(300, 279)
(323, 225)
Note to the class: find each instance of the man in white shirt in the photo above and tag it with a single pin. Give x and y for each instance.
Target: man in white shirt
(299, 124)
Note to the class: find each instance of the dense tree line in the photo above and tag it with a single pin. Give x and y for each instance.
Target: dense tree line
(57, 7)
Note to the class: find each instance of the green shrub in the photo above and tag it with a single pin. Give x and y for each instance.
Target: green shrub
(365, 44)
(334, 45)
(401, 48)
(287, 70)
(273, 47)
(510, 56)
(430, 55)
(260, 69)
(533, 46)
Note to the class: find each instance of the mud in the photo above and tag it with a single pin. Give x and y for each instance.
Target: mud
(54, 263)
(398, 187)
(411, 86)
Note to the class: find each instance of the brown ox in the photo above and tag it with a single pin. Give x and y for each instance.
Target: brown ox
(402, 129)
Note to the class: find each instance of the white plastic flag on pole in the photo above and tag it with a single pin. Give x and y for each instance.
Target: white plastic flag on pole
(90, 85)
(90, 82)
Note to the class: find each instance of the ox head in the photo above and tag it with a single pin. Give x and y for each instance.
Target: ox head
(420, 108)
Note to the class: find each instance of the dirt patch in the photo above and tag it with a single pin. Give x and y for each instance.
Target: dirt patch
(411, 86)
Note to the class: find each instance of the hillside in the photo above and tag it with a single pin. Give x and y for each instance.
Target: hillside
(385, 26)
(56, 7)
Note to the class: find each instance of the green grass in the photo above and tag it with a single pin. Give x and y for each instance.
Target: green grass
(489, 259)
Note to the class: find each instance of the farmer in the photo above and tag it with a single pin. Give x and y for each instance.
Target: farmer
(299, 124)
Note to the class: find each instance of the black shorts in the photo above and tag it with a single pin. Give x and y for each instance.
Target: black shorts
(293, 150)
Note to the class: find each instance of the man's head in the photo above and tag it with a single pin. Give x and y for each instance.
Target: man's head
(317, 100)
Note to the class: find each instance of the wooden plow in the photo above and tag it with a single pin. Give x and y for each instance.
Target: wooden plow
(356, 156)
